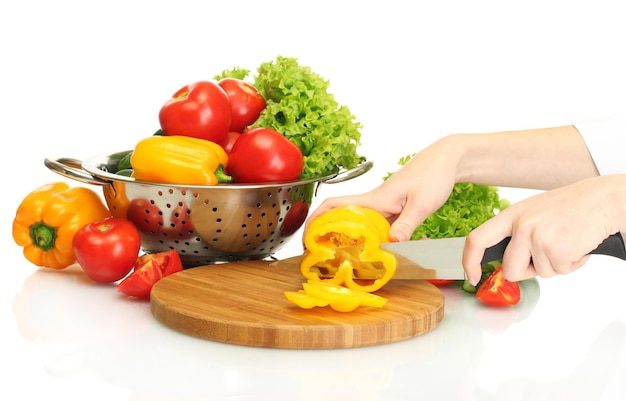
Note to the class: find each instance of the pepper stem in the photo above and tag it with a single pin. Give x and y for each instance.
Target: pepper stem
(221, 175)
(43, 236)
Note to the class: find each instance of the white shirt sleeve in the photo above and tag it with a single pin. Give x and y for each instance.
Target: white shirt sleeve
(604, 138)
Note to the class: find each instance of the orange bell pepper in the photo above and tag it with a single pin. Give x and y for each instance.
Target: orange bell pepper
(179, 159)
(343, 248)
(47, 219)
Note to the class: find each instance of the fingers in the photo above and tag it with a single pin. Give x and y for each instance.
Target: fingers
(483, 237)
(406, 222)
(535, 249)
(547, 259)
(526, 256)
(404, 215)
(517, 260)
(331, 203)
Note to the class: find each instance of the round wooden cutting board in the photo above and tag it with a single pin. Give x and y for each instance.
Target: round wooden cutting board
(244, 303)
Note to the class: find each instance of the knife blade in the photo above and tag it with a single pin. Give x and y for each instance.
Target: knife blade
(445, 254)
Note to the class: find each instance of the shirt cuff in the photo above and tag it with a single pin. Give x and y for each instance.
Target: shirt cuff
(604, 138)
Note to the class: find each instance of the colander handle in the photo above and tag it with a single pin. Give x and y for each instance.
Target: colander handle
(73, 168)
(351, 173)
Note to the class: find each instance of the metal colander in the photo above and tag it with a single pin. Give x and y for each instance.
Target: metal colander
(205, 224)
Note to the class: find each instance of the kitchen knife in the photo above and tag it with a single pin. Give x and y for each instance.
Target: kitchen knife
(444, 255)
(406, 269)
(441, 258)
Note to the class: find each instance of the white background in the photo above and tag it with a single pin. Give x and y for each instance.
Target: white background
(80, 78)
(84, 78)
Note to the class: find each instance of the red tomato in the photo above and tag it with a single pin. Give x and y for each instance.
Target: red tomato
(107, 249)
(246, 102)
(200, 110)
(294, 218)
(229, 141)
(498, 291)
(180, 224)
(264, 155)
(145, 215)
(149, 269)
(438, 281)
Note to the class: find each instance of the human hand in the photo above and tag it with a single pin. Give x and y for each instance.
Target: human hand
(553, 232)
(411, 194)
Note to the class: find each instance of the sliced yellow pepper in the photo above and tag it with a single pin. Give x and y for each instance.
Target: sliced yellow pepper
(338, 297)
(343, 248)
(179, 159)
(304, 300)
(47, 219)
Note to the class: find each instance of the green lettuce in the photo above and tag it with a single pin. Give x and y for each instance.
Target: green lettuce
(237, 72)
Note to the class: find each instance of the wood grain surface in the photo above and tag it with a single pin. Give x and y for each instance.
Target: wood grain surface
(243, 303)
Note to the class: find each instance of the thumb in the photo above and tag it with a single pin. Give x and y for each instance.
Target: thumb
(406, 223)
(400, 231)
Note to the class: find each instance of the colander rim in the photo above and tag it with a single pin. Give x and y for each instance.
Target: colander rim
(99, 165)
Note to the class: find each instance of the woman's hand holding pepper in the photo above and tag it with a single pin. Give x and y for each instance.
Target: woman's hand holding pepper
(411, 194)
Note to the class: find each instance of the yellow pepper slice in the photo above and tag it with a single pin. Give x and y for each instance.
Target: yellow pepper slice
(304, 300)
(343, 248)
(179, 159)
(47, 219)
(339, 298)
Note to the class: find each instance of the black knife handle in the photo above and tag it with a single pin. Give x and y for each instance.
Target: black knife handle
(495, 252)
(611, 246)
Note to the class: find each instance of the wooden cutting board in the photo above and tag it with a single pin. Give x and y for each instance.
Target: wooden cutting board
(243, 303)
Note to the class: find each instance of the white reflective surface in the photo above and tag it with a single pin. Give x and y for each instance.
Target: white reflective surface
(66, 338)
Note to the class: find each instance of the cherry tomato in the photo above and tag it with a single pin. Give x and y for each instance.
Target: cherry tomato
(498, 291)
(201, 110)
(149, 269)
(246, 102)
(229, 141)
(264, 155)
(107, 250)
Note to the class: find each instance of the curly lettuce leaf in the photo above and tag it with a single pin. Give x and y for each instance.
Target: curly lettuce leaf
(300, 107)
(468, 206)
(237, 72)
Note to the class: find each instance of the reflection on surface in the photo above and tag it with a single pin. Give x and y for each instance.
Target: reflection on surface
(589, 379)
(97, 331)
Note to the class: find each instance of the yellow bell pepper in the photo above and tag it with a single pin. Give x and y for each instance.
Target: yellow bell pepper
(179, 160)
(343, 248)
(47, 219)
